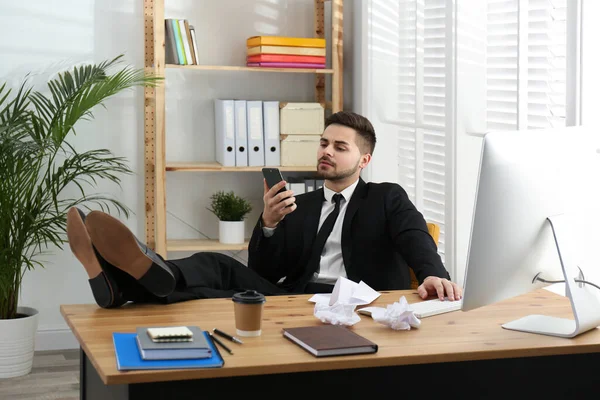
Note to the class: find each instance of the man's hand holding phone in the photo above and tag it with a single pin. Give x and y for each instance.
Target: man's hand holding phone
(277, 204)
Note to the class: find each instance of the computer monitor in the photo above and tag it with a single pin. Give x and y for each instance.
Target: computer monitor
(535, 216)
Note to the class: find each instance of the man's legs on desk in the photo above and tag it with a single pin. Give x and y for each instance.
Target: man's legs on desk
(207, 275)
(122, 269)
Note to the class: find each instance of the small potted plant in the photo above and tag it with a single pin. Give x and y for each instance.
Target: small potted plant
(231, 211)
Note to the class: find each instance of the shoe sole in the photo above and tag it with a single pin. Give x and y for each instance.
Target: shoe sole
(81, 246)
(119, 246)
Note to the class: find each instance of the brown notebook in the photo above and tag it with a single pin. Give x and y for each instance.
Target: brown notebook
(329, 340)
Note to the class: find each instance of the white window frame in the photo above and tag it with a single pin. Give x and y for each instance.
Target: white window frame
(574, 62)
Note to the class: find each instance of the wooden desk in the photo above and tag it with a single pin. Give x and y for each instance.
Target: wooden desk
(452, 353)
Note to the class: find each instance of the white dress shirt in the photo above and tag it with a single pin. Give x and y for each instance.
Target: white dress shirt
(331, 266)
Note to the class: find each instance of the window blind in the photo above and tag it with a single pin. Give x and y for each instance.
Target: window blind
(526, 64)
(407, 42)
(547, 63)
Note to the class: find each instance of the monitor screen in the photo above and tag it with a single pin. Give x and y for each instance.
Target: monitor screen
(525, 177)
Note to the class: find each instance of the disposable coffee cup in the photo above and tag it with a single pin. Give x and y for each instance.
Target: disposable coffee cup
(248, 308)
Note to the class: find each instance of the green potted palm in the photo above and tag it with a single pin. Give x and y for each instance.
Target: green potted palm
(41, 177)
(231, 211)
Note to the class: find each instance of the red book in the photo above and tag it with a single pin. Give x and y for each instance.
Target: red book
(286, 65)
(285, 59)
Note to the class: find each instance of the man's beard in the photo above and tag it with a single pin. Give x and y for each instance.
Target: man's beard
(337, 175)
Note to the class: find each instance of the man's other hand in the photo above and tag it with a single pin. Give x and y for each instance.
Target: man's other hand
(432, 286)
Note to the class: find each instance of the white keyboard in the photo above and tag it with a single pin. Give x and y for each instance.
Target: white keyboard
(434, 307)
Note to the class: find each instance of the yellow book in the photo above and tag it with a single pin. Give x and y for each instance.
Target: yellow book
(285, 41)
(296, 51)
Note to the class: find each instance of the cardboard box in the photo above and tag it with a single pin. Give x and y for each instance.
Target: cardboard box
(301, 119)
(299, 150)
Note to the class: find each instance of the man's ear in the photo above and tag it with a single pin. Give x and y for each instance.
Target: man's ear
(365, 159)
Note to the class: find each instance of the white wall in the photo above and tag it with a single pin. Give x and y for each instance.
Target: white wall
(47, 35)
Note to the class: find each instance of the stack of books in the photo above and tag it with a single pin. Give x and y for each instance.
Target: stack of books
(285, 52)
(165, 348)
(172, 343)
(181, 47)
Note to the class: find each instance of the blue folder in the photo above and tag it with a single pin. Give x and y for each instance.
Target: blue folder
(129, 358)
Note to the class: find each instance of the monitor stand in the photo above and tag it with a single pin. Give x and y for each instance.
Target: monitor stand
(584, 302)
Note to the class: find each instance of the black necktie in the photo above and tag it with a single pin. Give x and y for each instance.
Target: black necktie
(323, 234)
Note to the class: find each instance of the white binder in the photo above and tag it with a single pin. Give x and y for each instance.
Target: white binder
(309, 185)
(256, 154)
(298, 187)
(241, 134)
(271, 133)
(225, 132)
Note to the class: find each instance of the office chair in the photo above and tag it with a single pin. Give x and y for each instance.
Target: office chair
(434, 231)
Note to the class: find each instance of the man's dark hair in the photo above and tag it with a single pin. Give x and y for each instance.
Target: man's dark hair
(366, 134)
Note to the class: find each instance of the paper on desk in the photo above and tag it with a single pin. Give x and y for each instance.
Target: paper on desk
(338, 307)
(398, 316)
(346, 291)
(339, 314)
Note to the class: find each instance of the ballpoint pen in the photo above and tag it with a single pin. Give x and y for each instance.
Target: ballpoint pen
(217, 341)
(227, 336)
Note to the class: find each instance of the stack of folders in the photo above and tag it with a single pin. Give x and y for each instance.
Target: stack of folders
(258, 133)
(285, 52)
(180, 42)
(247, 133)
(165, 348)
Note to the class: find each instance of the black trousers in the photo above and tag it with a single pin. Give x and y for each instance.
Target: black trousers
(215, 275)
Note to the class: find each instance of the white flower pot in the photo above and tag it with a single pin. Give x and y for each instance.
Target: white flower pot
(17, 343)
(231, 232)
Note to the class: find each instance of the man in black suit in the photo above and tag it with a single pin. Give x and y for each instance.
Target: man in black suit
(374, 232)
(368, 232)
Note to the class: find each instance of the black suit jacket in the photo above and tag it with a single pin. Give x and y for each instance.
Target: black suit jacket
(382, 235)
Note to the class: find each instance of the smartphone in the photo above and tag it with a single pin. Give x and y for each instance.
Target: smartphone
(273, 177)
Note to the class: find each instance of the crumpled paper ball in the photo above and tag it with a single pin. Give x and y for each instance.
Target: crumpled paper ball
(397, 316)
(337, 314)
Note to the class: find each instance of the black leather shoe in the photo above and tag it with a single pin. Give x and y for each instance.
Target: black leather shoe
(119, 246)
(104, 287)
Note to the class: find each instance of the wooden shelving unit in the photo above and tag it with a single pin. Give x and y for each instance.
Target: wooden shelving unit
(154, 127)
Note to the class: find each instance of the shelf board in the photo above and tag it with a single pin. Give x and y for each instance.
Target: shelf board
(216, 167)
(203, 245)
(252, 69)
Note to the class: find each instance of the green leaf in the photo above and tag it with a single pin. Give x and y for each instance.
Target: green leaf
(37, 164)
(229, 207)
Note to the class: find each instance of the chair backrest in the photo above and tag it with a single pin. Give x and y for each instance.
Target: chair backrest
(434, 231)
